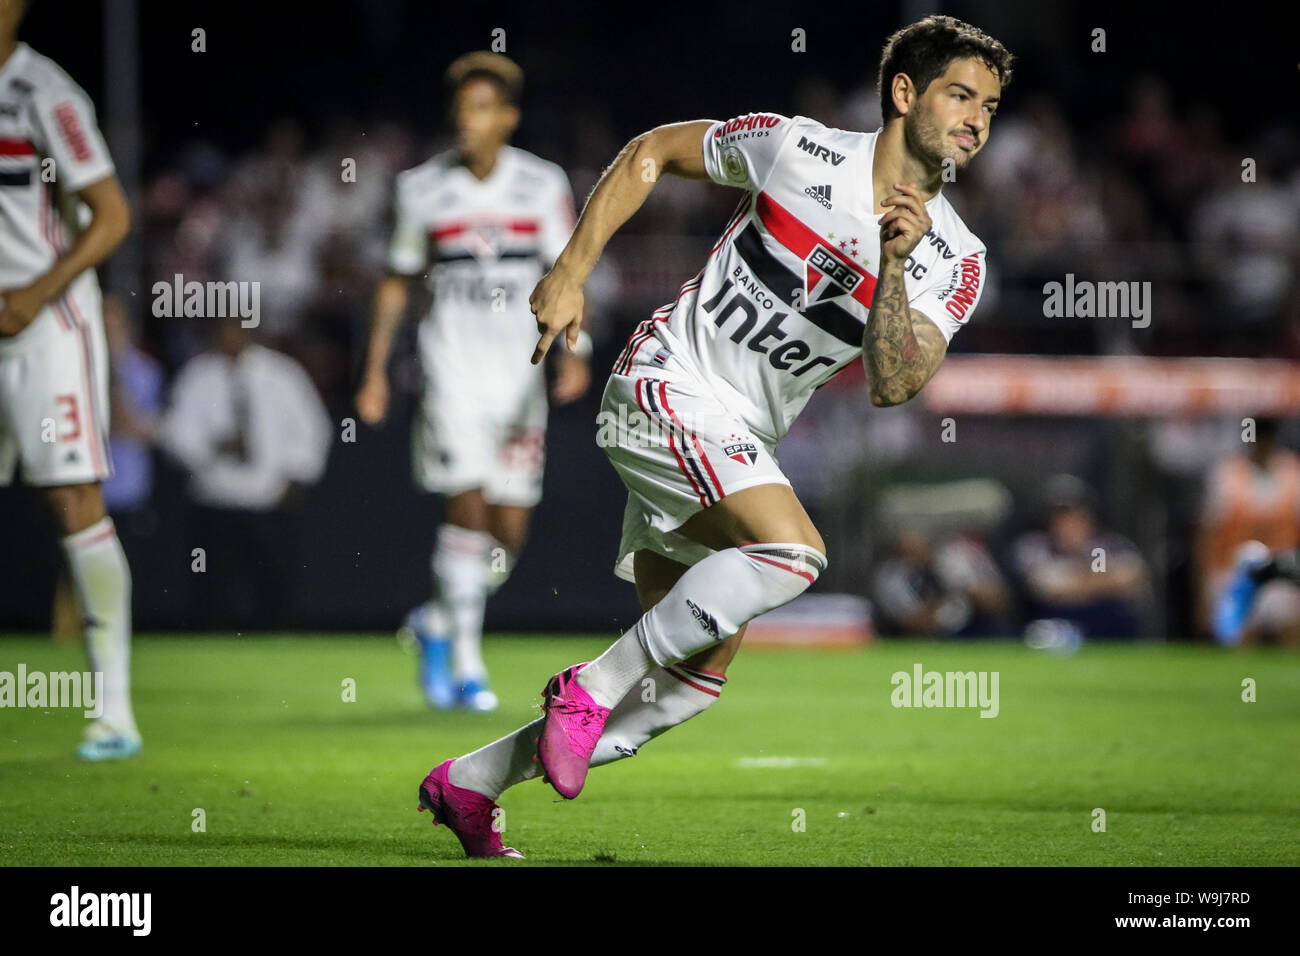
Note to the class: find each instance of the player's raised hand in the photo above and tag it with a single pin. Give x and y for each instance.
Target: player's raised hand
(372, 400)
(557, 303)
(904, 223)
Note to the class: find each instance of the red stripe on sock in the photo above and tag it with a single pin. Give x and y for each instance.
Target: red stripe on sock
(784, 567)
(690, 683)
(104, 535)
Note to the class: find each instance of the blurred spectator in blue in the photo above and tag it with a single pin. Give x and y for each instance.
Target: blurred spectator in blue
(1074, 571)
(137, 394)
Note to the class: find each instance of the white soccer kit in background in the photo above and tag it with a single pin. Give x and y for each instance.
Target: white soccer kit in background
(483, 246)
(54, 374)
(778, 309)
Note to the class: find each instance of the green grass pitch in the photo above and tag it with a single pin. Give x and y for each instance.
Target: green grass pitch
(255, 732)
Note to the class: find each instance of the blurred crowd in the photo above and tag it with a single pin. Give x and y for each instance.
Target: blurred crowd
(1159, 197)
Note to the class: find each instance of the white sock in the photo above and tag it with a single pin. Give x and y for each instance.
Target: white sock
(679, 693)
(102, 579)
(460, 570)
(676, 695)
(501, 764)
(708, 604)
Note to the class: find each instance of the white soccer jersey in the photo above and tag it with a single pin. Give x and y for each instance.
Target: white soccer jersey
(483, 246)
(782, 301)
(44, 116)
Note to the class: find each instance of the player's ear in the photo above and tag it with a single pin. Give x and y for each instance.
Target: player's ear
(903, 92)
(513, 117)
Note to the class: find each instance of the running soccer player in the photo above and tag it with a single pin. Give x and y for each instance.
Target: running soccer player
(54, 171)
(842, 249)
(481, 222)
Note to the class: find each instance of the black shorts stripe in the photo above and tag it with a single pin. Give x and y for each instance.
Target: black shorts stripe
(827, 316)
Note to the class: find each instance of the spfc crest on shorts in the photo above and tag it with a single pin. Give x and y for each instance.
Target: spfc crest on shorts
(741, 450)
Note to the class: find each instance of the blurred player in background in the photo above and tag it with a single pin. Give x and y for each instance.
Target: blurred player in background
(481, 222)
(842, 250)
(1261, 602)
(1251, 501)
(61, 213)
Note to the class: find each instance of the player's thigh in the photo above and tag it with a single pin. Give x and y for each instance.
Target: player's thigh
(655, 577)
(762, 513)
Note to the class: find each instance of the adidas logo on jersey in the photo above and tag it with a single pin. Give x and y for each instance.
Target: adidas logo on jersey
(821, 193)
(707, 620)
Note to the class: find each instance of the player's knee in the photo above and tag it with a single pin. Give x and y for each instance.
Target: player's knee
(793, 567)
(468, 510)
(75, 507)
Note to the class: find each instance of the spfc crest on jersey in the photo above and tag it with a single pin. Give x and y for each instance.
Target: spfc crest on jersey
(827, 276)
(740, 449)
(486, 239)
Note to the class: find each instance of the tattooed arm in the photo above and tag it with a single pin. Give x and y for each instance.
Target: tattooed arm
(901, 349)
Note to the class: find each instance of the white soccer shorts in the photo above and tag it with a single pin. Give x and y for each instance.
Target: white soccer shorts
(678, 450)
(54, 393)
(494, 441)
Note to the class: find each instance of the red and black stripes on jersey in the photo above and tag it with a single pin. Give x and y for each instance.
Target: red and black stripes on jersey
(17, 150)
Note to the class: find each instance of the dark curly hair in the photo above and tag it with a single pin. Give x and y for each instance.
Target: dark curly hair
(925, 49)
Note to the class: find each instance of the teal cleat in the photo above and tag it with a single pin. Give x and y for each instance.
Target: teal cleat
(105, 742)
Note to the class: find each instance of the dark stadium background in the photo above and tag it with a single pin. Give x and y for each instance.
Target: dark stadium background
(596, 75)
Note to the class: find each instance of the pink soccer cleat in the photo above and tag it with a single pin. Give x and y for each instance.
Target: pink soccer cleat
(467, 813)
(573, 725)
